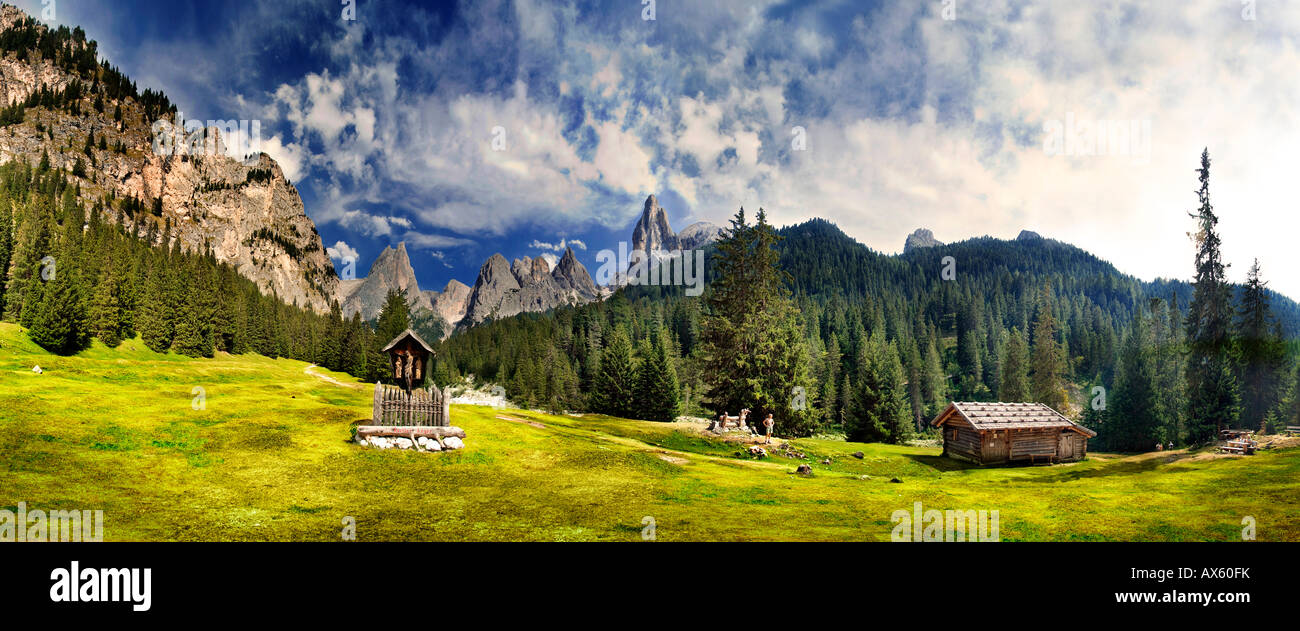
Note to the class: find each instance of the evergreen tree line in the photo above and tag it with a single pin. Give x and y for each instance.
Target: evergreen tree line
(881, 337)
(72, 274)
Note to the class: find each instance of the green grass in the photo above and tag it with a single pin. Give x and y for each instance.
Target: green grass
(268, 459)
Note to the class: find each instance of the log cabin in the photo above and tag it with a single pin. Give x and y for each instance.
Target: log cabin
(990, 433)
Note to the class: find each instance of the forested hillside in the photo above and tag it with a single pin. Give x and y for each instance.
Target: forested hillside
(1032, 319)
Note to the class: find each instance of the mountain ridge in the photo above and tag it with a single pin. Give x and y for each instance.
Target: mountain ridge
(249, 215)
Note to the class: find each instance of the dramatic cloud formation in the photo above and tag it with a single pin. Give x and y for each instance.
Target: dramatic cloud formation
(477, 122)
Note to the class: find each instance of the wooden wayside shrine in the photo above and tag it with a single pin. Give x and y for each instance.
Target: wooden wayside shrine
(408, 415)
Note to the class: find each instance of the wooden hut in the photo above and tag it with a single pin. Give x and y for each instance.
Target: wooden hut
(408, 357)
(988, 433)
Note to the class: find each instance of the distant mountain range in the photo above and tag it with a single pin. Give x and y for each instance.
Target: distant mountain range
(503, 289)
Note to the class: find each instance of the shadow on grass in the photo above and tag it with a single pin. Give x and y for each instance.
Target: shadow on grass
(944, 463)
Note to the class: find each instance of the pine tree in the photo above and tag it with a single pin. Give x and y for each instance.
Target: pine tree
(155, 316)
(58, 320)
(657, 392)
(394, 317)
(879, 410)
(1135, 414)
(755, 355)
(614, 390)
(1014, 383)
(1211, 387)
(1261, 354)
(1046, 384)
(6, 244)
(106, 312)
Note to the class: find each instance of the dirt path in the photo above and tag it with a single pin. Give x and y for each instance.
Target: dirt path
(328, 378)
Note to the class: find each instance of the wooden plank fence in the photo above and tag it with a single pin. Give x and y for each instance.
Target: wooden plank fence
(421, 408)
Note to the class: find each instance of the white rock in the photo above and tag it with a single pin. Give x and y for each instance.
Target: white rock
(451, 442)
(37, 370)
(433, 446)
(405, 443)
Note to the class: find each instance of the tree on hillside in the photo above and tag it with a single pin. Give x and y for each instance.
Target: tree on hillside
(1135, 414)
(1014, 383)
(614, 390)
(106, 309)
(1261, 354)
(880, 411)
(1291, 414)
(755, 354)
(58, 319)
(1047, 361)
(156, 319)
(657, 392)
(394, 317)
(1211, 387)
(6, 244)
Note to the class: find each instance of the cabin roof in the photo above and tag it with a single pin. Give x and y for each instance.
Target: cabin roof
(998, 416)
(413, 335)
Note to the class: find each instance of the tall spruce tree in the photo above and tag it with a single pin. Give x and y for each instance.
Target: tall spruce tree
(755, 354)
(58, 319)
(657, 392)
(879, 411)
(1212, 398)
(1013, 387)
(1047, 362)
(1261, 354)
(394, 317)
(614, 390)
(1135, 412)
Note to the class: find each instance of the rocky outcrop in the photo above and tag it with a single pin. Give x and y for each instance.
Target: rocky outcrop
(527, 285)
(652, 232)
(391, 271)
(246, 211)
(1028, 235)
(451, 303)
(698, 235)
(922, 238)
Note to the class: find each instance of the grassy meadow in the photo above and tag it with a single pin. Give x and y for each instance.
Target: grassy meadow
(267, 457)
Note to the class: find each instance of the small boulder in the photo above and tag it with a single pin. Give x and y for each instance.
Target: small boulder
(451, 442)
(432, 445)
(895, 480)
(405, 443)
(37, 370)
(859, 455)
(803, 469)
(757, 452)
(826, 461)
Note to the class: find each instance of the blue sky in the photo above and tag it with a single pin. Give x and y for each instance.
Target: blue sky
(882, 117)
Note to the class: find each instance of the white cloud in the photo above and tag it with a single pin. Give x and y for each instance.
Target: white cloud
(372, 225)
(558, 247)
(341, 251)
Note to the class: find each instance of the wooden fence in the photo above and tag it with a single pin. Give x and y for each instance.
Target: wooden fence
(421, 408)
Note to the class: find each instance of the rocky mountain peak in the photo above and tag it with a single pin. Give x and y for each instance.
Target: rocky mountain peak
(922, 238)
(391, 271)
(652, 232)
(1028, 235)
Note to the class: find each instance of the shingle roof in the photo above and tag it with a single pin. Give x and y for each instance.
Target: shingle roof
(404, 334)
(996, 416)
